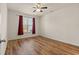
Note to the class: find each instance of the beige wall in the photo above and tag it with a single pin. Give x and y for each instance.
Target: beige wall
(13, 25)
(62, 25)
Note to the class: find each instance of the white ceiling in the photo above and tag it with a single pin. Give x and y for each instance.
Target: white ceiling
(28, 7)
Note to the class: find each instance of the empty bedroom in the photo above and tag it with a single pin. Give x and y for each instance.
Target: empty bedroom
(39, 28)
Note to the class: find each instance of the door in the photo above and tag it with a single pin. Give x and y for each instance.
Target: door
(3, 28)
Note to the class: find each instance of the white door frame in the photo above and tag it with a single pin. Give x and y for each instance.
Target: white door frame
(3, 11)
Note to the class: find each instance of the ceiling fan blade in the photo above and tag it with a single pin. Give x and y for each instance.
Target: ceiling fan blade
(34, 11)
(43, 7)
(41, 10)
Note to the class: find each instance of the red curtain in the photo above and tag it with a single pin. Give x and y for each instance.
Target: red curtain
(20, 27)
(33, 26)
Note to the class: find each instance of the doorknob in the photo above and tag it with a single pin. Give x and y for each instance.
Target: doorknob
(2, 41)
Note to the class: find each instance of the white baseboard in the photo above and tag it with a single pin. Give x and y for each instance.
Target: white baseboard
(52, 37)
(48, 36)
(19, 37)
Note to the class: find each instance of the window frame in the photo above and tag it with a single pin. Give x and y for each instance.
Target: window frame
(27, 18)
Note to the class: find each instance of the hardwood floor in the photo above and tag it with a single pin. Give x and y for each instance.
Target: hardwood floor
(40, 46)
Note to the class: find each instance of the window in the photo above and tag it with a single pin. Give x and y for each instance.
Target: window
(27, 24)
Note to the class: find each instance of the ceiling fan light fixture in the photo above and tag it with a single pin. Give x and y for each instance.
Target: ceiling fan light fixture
(38, 10)
(39, 7)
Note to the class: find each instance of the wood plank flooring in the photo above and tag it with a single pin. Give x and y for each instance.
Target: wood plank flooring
(40, 46)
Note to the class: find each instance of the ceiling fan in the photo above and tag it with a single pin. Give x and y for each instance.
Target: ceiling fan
(39, 7)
